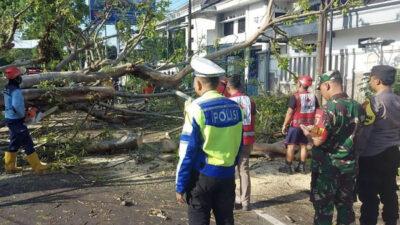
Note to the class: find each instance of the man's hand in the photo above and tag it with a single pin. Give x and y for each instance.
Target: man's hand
(306, 130)
(284, 130)
(180, 199)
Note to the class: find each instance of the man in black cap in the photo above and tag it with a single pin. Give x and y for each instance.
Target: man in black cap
(379, 150)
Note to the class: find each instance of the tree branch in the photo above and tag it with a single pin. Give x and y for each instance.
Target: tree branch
(22, 63)
(7, 43)
(75, 52)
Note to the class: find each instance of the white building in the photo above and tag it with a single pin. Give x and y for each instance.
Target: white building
(229, 22)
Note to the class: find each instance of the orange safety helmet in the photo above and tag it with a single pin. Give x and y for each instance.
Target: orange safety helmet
(12, 73)
(305, 80)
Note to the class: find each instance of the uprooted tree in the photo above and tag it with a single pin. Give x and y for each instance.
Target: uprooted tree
(73, 50)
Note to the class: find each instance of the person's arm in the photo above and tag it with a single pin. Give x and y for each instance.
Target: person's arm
(288, 118)
(307, 133)
(188, 149)
(289, 114)
(18, 103)
(323, 126)
(253, 108)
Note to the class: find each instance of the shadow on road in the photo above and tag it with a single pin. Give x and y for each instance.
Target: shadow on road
(282, 199)
(60, 187)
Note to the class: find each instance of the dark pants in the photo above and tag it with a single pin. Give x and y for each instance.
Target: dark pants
(208, 193)
(333, 190)
(19, 136)
(377, 183)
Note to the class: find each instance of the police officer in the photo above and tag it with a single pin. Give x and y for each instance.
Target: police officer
(210, 142)
(379, 152)
(334, 158)
(14, 119)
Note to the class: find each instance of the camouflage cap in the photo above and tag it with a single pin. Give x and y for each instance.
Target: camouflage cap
(330, 75)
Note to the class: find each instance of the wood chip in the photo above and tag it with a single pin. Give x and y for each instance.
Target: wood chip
(290, 219)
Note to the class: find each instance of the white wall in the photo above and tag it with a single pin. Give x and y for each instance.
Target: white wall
(255, 17)
(204, 28)
(366, 58)
(360, 60)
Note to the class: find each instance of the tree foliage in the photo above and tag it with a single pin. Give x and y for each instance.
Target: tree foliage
(70, 41)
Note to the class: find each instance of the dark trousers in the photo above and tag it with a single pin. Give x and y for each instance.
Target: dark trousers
(19, 136)
(208, 193)
(376, 183)
(330, 190)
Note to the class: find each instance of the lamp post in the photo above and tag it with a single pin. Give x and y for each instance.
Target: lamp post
(189, 53)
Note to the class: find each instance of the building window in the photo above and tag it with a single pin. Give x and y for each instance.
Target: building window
(278, 14)
(228, 28)
(242, 26)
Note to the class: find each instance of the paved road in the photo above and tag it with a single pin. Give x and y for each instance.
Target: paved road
(95, 194)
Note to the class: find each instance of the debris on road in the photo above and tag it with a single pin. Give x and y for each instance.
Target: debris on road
(158, 213)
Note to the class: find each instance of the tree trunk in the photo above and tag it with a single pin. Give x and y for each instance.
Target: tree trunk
(264, 149)
(63, 95)
(128, 141)
(100, 114)
(131, 112)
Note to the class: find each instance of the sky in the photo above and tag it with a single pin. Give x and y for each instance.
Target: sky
(174, 3)
(177, 3)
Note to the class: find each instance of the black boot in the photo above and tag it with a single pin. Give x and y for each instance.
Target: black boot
(301, 168)
(287, 168)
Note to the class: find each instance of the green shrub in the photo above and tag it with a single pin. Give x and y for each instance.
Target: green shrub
(271, 111)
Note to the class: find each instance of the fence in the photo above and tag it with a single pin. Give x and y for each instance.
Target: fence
(351, 63)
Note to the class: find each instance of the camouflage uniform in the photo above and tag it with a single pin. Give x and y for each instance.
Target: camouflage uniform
(334, 162)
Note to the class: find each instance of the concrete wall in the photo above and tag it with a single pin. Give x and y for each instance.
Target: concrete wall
(207, 27)
(381, 20)
(204, 28)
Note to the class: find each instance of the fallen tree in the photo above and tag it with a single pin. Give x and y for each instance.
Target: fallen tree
(76, 57)
(264, 149)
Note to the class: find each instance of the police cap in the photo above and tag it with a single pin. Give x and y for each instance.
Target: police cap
(205, 68)
(386, 74)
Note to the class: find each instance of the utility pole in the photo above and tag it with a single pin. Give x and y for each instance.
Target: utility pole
(321, 42)
(189, 53)
(321, 45)
(330, 39)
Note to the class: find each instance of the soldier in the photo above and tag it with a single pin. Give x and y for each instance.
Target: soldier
(301, 110)
(210, 142)
(379, 152)
(333, 164)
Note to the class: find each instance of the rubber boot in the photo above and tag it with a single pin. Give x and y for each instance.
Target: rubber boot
(287, 168)
(36, 164)
(300, 168)
(10, 162)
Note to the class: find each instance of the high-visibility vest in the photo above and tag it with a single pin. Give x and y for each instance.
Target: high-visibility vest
(249, 111)
(305, 109)
(210, 139)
